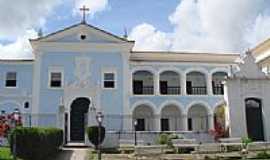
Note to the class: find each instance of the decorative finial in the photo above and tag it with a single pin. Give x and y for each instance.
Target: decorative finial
(125, 33)
(84, 10)
(40, 33)
(248, 52)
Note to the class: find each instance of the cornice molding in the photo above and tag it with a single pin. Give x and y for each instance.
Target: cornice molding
(185, 57)
(80, 47)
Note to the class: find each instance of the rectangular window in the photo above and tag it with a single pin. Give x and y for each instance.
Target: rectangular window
(11, 79)
(109, 80)
(56, 79)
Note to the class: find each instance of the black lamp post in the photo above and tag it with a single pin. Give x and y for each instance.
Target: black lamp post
(99, 118)
(16, 115)
(135, 132)
(3, 113)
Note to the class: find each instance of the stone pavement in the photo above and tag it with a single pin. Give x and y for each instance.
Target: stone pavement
(73, 154)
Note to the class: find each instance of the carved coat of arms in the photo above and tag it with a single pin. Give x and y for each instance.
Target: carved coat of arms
(82, 72)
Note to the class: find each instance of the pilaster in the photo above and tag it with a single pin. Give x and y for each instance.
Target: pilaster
(211, 121)
(209, 85)
(184, 122)
(156, 84)
(183, 85)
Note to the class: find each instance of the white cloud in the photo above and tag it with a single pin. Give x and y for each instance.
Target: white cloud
(215, 26)
(17, 22)
(17, 17)
(147, 35)
(20, 49)
(259, 31)
(93, 5)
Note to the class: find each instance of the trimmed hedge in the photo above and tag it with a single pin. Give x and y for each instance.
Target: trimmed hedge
(93, 135)
(36, 143)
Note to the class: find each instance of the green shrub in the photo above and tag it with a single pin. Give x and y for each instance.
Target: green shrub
(263, 155)
(170, 137)
(165, 138)
(245, 142)
(93, 135)
(5, 154)
(36, 143)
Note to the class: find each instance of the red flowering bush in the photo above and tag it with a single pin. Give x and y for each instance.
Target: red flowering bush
(8, 122)
(218, 132)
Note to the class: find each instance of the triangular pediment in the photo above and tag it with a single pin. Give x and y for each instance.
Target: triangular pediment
(82, 32)
(249, 68)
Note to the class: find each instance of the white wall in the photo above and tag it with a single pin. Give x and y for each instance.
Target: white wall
(237, 91)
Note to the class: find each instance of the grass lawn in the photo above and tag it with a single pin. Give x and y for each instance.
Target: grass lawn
(5, 153)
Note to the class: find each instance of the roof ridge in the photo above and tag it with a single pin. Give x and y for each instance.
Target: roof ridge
(184, 52)
(75, 25)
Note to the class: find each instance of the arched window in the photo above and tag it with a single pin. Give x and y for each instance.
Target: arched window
(26, 105)
(217, 82)
(197, 118)
(144, 116)
(169, 82)
(170, 118)
(196, 83)
(143, 83)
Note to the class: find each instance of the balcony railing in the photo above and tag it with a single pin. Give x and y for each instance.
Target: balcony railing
(218, 90)
(199, 90)
(171, 90)
(145, 90)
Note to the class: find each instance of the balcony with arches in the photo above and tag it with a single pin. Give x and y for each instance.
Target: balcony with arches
(196, 83)
(169, 83)
(218, 79)
(143, 83)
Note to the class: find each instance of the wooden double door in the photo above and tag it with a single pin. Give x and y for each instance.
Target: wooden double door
(79, 109)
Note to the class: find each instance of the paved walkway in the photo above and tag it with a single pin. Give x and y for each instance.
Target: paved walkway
(73, 154)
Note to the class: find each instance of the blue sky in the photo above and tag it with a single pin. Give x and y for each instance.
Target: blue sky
(119, 14)
(222, 26)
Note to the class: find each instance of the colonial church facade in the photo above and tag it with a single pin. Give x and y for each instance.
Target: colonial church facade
(81, 70)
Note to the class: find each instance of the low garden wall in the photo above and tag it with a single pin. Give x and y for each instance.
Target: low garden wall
(114, 139)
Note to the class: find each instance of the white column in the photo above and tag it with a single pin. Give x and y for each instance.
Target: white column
(156, 84)
(183, 84)
(128, 124)
(60, 117)
(92, 116)
(184, 122)
(211, 121)
(209, 85)
(157, 123)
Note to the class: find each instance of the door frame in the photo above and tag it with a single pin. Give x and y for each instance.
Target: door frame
(69, 116)
(261, 112)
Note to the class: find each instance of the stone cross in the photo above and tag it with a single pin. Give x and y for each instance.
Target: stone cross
(84, 10)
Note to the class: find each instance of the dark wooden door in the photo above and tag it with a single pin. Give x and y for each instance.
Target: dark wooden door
(140, 125)
(190, 124)
(66, 128)
(165, 126)
(138, 87)
(79, 108)
(254, 119)
(189, 87)
(163, 87)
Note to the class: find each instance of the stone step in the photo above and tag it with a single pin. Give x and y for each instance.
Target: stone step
(75, 145)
